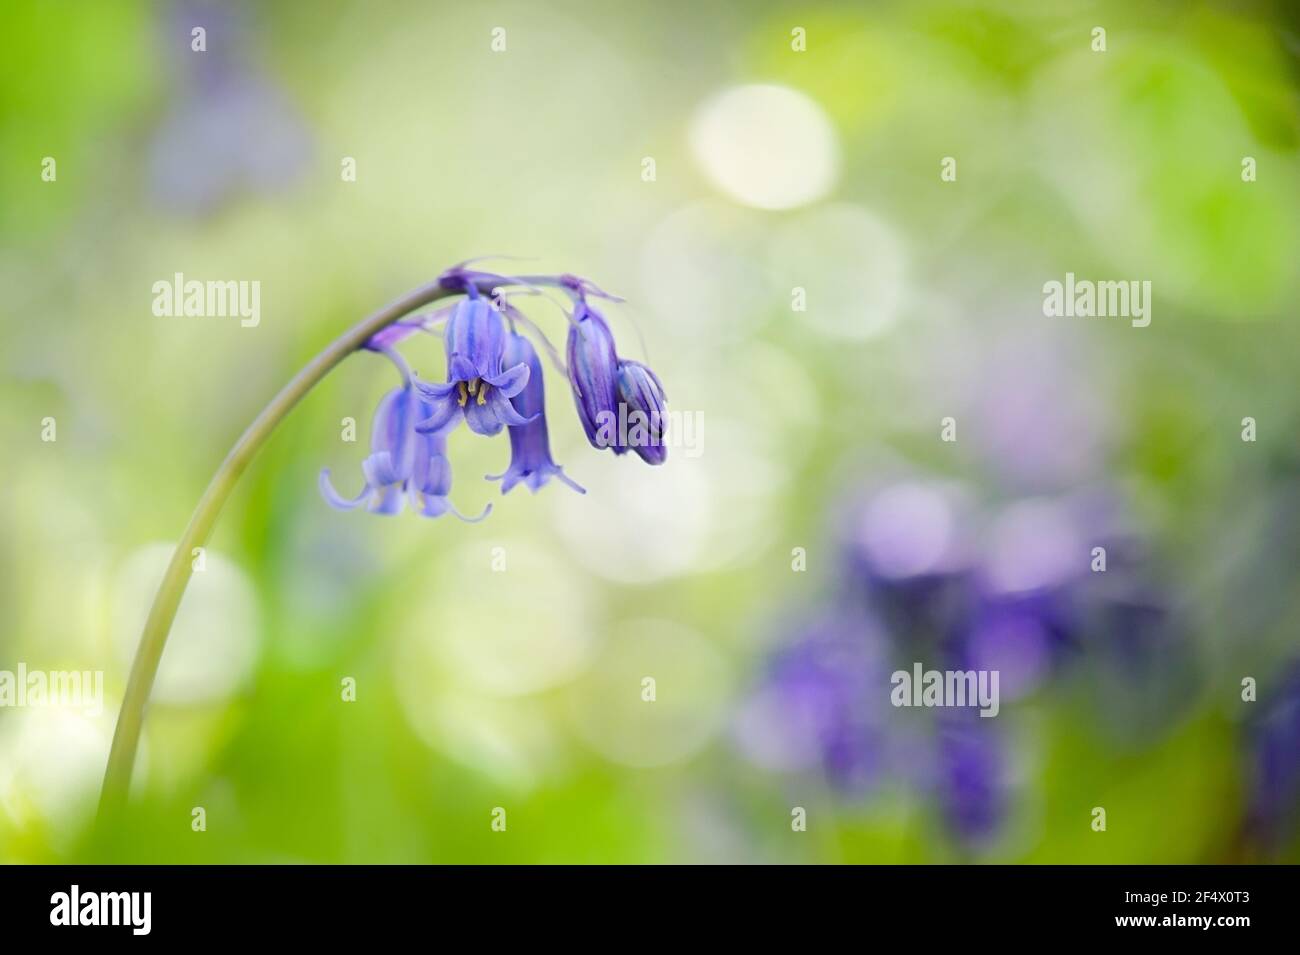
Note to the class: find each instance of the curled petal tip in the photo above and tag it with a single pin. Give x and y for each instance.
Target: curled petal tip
(444, 413)
(433, 390)
(511, 381)
(336, 500)
(487, 509)
(505, 411)
(559, 473)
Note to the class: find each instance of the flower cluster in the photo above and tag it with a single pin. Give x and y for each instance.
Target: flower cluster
(926, 575)
(1273, 806)
(494, 382)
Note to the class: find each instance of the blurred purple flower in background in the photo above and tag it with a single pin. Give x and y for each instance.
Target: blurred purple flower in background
(1274, 746)
(1022, 616)
(1035, 389)
(926, 576)
(1141, 667)
(818, 707)
(906, 550)
(229, 129)
(971, 766)
(1017, 636)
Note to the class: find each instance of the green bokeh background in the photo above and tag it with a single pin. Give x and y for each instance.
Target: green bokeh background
(520, 689)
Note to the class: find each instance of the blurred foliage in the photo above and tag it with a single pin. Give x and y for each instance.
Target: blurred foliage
(1117, 165)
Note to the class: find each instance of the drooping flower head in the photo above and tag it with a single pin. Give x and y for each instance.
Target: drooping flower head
(403, 465)
(477, 386)
(904, 553)
(641, 397)
(494, 381)
(530, 450)
(620, 402)
(593, 373)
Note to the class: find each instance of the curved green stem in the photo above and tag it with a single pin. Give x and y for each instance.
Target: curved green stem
(130, 718)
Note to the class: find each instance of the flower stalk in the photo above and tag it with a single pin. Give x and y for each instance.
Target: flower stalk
(130, 718)
(493, 382)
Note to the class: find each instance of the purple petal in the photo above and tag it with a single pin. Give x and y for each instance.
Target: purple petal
(460, 368)
(512, 381)
(435, 478)
(559, 473)
(336, 500)
(429, 505)
(380, 470)
(593, 366)
(434, 391)
(482, 418)
(652, 453)
(474, 337)
(640, 390)
(487, 509)
(444, 412)
(386, 338)
(390, 501)
(505, 411)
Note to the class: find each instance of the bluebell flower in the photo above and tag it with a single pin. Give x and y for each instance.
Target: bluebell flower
(620, 402)
(1024, 637)
(198, 159)
(1142, 666)
(530, 450)
(404, 465)
(593, 373)
(823, 686)
(494, 381)
(477, 386)
(641, 398)
(1274, 801)
(905, 548)
(971, 776)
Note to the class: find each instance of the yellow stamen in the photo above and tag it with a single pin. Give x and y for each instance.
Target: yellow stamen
(460, 386)
(482, 395)
(473, 386)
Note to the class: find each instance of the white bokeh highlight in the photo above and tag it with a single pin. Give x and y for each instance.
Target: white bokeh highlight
(1034, 544)
(214, 641)
(51, 762)
(766, 146)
